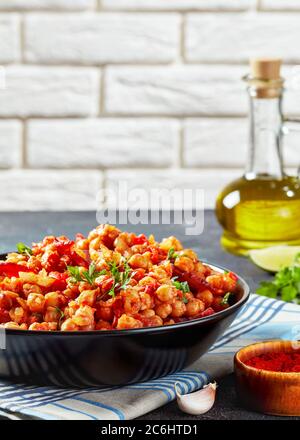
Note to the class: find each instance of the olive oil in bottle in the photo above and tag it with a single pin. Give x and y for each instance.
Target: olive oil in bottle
(262, 208)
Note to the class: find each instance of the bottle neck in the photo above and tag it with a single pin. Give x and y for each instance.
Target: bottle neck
(265, 156)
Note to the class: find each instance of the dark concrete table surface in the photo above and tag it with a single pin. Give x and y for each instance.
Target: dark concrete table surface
(29, 227)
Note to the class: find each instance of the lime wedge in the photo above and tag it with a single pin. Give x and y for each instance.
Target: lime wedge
(274, 258)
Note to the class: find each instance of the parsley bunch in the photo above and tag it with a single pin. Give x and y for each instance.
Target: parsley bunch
(183, 286)
(121, 279)
(285, 285)
(89, 275)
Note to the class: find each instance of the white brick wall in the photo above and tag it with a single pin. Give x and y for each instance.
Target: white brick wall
(146, 92)
(101, 38)
(243, 35)
(9, 38)
(55, 91)
(27, 5)
(102, 143)
(176, 90)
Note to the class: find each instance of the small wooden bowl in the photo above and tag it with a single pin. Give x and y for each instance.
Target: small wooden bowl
(267, 391)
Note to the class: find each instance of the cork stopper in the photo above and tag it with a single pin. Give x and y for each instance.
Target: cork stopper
(264, 80)
(265, 68)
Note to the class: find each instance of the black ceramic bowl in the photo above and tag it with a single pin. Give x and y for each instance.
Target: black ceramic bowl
(117, 357)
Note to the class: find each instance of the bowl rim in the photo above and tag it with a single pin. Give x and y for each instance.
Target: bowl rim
(238, 363)
(155, 329)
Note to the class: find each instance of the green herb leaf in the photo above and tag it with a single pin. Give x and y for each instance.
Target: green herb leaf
(171, 254)
(285, 285)
(23, 249)
(89, 275)
(183, 286)
(121, 278)
(267, 289)
(225, 299)
(62, 315)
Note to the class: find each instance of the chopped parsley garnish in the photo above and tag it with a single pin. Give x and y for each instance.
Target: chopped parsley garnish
(23, 249)
(184, 287)
(285, 285)
(89, 275)
(171, 254)
(121, 278)
(62, 315)
(225, 299)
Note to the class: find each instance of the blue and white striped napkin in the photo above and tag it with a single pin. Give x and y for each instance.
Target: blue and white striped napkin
(260, 319)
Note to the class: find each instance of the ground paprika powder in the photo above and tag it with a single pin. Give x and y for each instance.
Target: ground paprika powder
(280, 362)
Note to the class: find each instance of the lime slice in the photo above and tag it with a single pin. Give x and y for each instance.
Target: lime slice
(274, 258)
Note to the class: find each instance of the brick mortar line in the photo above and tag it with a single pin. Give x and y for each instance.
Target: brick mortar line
(133, 116)
(128, 168)
(146, 12)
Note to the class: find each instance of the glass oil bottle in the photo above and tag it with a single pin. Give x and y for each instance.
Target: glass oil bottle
(262, 208)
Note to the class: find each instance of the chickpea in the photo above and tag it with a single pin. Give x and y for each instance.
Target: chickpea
(165, 293)
(155, 321)
(36, 302)
(126, 321)
(170, 242)
(189, 253)
(149, 313)
(31, 288)
(132, 301)
(139, 260)
(185, 264)
(69, 326)
(11, 325)
(84, 316)
(88, 297)
(194, 307)
(206, 296)
(82, 244)
(44, 326)
(163, 310)
(18, 314)
(104, 310)
(146, 301)
(121, 244)
(146, 281)
(55, 299)
(169, 322)
(178, 309)
(221, 283)
(52, 314)
(160, 274)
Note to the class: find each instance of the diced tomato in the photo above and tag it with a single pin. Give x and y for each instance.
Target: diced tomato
(140, 239)
(118, 307)
(233, 276)
(151, 289)
(60, 282)
(154, 255)
(63, 246)
(12, 269)
(106, 285)
(77, 260)
(207, 312)
(4, 316)
(196, 281)
(138, 274)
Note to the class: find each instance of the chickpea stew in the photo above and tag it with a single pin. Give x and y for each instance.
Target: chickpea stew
(108, 280)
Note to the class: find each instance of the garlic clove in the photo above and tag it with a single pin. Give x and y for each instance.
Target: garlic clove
(198, 402)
